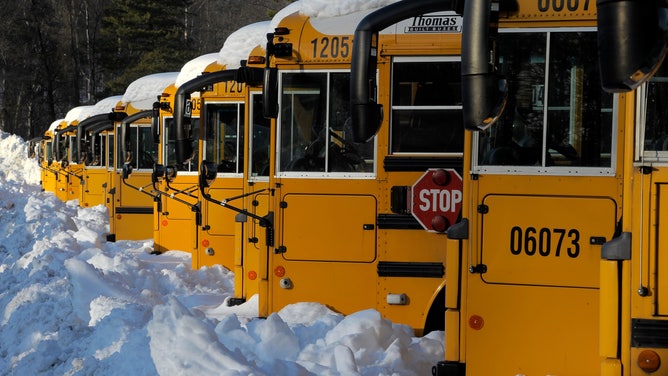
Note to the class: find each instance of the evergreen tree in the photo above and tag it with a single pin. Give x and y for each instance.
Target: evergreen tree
(143, 37)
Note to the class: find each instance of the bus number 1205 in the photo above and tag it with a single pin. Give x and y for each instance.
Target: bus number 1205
(331, 47)
(544, 241)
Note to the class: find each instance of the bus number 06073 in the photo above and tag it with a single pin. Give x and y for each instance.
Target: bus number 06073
(544, 241)
(563, 5)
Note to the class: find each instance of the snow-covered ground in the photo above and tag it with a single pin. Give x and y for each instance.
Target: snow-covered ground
(73, 304)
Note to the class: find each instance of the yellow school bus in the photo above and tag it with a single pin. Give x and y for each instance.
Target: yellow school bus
(545, 194)
(344, 231)
(48, 166)
(92, 135)
(234, 136)
(633, 314)
(70, 176)
(131, 197)
(537, 269)
(177, 212)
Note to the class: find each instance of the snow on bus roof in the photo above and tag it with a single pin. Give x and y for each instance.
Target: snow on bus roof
(194, 68)
(79, 113)
(55, 124)
(144, 91)
(328, 8)
(107, 104)
(331, 17)
(240, 43)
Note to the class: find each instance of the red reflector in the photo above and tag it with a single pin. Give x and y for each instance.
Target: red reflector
(164, 222)
(649, 361)
(205, 243)
(476, 322)
(279, 271)
(252, 275)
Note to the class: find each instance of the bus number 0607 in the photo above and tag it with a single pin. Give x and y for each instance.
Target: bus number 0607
(563, 5)
(544, 241)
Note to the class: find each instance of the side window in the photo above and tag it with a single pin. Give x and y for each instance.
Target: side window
(143, 152)
(653, 96)
(147, 153)
(192, 129)
(110, 151)
(557, 115)
(315, 133)
(48, 153)
(63, 146)
(74, 153)
(100, 150)
(259, 143)
(120, 158)
(224, 136)
(426, 107)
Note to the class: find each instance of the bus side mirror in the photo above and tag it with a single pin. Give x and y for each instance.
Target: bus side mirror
(270, 93)
(155, 122)
(631, 42)
(484, 97)
(368, 116)
(126, 170)
(170, 173)
(207, 174)
(158, 172)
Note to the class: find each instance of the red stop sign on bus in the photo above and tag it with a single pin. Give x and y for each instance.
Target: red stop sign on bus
(436, 199)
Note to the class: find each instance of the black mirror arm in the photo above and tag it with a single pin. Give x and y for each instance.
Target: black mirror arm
(194, 207)
(264, 221)
(141, 189)
(186, 191)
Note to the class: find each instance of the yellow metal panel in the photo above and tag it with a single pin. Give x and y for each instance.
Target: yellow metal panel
(662, 239)
(452, 335)
(341, 291)
(609, 295)
(532, 330)
(130, 196)
(420, 294)
(175, 235)
(238, 245)
(452, 273)
(253, 246)
(548, 238)
(220, 219)
(94, 190)
(130, 226)
(611, 367)
(331, 227)
(74, 188)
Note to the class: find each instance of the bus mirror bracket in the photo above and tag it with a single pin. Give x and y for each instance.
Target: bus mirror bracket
(459, 230)
(618, 248)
